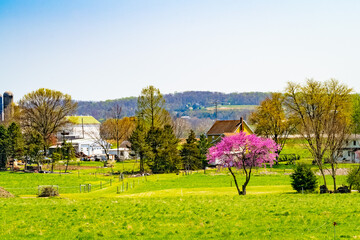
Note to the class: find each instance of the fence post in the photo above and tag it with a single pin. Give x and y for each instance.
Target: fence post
(110, 182)
(80, 188)
(127, 186)
(100, 185)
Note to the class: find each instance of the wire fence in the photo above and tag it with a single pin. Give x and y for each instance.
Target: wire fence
(123, 185)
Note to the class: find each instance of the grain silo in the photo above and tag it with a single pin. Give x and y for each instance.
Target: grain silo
(1, 108)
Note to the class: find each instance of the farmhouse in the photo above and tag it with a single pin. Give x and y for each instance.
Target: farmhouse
(80, 127)
(81, 132)
(348, 152)
(223, 128)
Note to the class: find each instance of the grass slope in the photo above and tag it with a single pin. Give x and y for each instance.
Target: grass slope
(196, 206)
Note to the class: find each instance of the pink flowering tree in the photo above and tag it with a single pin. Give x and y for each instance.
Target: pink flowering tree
(244, 152)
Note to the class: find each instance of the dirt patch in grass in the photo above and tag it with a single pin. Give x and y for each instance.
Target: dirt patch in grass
(5, 194)
(340, 171)
(71, 167)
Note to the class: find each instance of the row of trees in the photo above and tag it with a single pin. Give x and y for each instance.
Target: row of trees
(11, 143)
(324, 114)
(39, 115)
(155, 142)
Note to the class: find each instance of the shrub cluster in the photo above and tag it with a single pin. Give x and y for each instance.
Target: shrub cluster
(48, 191)
(303, 179)
(289, 158)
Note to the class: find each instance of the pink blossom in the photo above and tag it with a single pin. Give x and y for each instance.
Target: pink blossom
(243, 150)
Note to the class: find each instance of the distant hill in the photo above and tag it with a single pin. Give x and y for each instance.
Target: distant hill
(199, 104)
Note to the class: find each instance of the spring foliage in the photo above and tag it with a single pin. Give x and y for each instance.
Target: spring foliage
(244, 152)
(303, 179)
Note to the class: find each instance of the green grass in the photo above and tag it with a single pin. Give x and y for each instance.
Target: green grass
(275, 216)
(170, 206)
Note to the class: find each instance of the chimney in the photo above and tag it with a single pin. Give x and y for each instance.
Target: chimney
(241, 124)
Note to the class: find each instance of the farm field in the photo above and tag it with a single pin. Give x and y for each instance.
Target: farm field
(233, 107)
(170, 206)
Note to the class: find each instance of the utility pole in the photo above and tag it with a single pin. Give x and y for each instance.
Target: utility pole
(216, 108)
(117, 113)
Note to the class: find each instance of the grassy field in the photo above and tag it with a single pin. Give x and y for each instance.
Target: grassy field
(170, 206)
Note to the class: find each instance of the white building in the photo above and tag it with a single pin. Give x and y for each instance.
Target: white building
(80, 127)
(349, 150)
(82, 132)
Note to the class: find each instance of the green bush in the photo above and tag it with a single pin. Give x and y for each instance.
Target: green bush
(289, 158)
(303, 179)
(48, 191)
(353, 178)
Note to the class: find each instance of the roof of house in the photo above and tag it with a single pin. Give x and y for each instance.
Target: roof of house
(82, 120)
(224, 126)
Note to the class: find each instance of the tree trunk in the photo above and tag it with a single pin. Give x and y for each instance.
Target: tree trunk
(248, 174)
(67, 164)
(319, 163)
(236, 184)
(323, 175)
(141, 163)
(333, 175)
(244, 189)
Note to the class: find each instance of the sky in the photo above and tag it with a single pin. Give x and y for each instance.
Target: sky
(99, 50)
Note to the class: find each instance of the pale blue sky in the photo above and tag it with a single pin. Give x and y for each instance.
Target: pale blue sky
(98, 50)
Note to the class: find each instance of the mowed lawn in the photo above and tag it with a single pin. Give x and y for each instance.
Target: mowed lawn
(170, 206)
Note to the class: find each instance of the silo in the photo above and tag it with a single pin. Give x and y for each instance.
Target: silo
(8, 100)
(1, 108)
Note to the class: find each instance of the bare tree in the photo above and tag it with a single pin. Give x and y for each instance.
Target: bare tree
(323, 111)
(44, 111)
(272, 121)
(181, 127)
(117, 129)
(100, 140)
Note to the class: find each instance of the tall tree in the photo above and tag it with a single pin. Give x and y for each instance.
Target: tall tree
(16, 141)
(181, 127)
(203, 145)
(33, 146)
(323, 110)
(190, 153)
(4, 146)
(271, 120)
(338, 124)
(163, 155)
(117, 129)
(68, 153)
(44, 111)
(151, 108)
(244, 152)
(356, 114)
(169, 153)
(139, 144)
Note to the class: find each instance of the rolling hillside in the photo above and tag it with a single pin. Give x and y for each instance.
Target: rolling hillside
(198, 104)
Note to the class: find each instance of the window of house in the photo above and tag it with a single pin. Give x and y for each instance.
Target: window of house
(354, 143)
(349, 154)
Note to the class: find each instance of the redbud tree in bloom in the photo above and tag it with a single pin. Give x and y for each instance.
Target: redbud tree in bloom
(243, 152)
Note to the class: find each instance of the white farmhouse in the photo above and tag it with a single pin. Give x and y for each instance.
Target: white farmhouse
(82, 132)
(349, 150)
